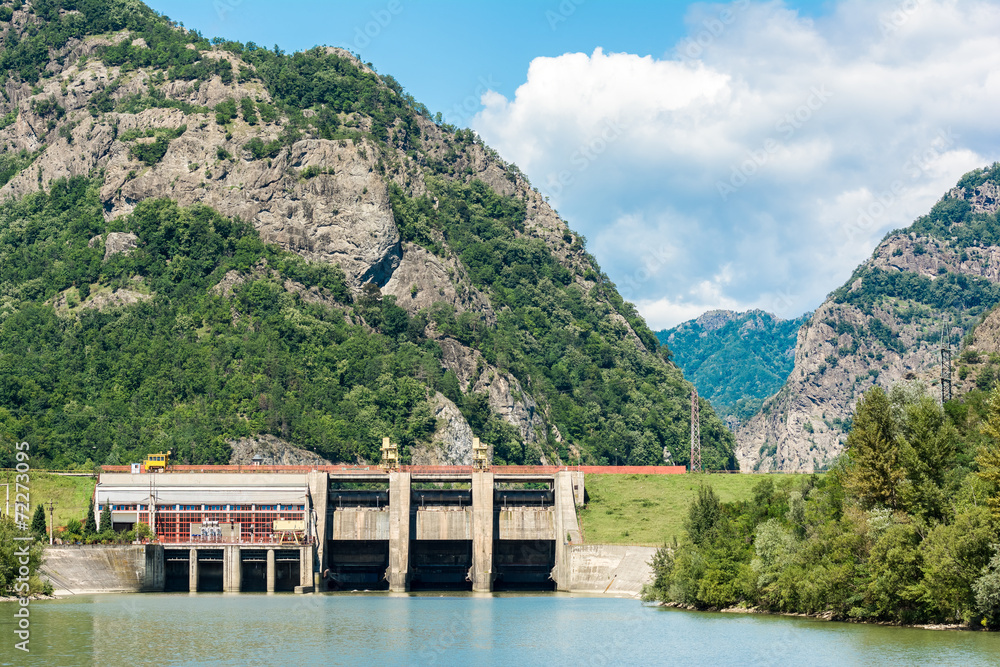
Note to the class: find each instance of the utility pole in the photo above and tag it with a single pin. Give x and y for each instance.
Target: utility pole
(695, 433)
(52, 525)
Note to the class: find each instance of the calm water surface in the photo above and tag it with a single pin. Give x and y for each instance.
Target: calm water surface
(387, 629)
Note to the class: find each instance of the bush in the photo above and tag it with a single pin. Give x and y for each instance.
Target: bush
(225, 111)
(249, 111)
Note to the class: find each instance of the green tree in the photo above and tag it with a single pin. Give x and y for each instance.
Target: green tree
(106, 525)
(10, 562)
(89, 521)
(954, 556)
(874, 450)
(988, 457)
(927, 447)
(987, 590)
(703, 516)
(893, 571)
(38, 522)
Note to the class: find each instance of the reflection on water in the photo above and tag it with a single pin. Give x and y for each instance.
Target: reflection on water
(466, 629)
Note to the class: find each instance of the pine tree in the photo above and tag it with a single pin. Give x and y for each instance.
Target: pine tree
(38, 522)
(106, 526)
(89, 522)
(988, 458)
(875, 452)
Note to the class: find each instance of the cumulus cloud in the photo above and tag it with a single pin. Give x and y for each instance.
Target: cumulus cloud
(761, 159)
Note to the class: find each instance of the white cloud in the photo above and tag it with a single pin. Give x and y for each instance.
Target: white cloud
(779, 147)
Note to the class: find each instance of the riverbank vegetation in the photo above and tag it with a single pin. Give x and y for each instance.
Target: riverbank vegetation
(905, 527)
(13, 581)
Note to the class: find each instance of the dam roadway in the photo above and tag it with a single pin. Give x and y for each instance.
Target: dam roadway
(319, 528)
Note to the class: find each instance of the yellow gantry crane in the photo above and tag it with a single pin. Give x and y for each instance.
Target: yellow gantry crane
(158, 461)
(480, 456)
(390, 456)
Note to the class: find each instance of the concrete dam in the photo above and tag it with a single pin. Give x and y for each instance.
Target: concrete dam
(323, 530)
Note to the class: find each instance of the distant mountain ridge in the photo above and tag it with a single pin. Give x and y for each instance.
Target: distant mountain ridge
(735, 359)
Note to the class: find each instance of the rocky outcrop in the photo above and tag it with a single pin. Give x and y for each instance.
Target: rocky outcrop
(844, 349)
(452, 441)
(101, 299)
(119, 242)
(423, 279)
(715, 319)
(273, 450)
(322, 199)
(804, 426)
(507, 398)
(984, 199)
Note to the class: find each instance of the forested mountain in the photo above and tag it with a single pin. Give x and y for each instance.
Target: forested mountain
(884, 325)
(207, 241)
(736, 360)
(904, 528)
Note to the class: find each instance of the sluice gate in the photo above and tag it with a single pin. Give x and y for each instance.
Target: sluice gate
(177, 570)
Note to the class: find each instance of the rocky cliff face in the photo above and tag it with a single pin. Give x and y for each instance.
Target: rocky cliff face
(885, 325)
(272, 451)
(340, 216)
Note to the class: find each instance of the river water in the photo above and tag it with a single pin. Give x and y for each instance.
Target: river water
(426, 629)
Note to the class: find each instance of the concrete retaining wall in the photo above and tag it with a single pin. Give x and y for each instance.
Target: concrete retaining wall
(444, 523)
(527, 524)
(611, 569)
(361, 524)
(103, 568)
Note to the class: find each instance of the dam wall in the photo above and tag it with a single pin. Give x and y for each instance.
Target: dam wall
(101, 568)
(610, 569)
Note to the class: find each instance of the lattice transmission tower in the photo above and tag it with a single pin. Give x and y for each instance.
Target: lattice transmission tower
(695, 433)
(945, 364)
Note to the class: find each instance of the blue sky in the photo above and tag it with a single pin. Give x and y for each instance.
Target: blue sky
(736, 155)
(442, 51)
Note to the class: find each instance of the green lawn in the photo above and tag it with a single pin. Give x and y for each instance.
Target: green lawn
(69, 495)
(650, 509)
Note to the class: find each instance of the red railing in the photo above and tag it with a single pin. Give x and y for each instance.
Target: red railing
(201, 541)
(427, 470)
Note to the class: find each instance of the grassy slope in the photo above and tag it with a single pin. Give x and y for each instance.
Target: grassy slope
(650, 509)
(69, 494)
